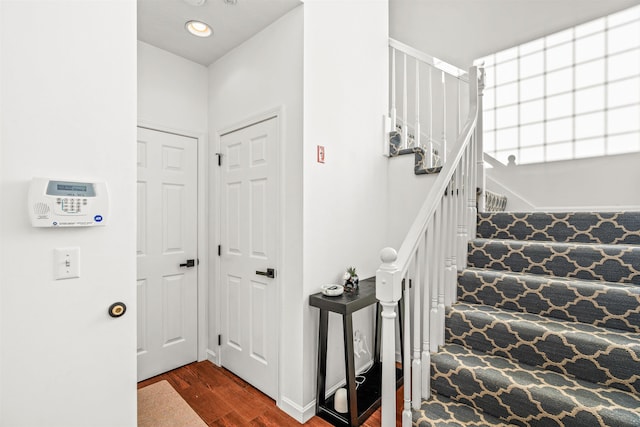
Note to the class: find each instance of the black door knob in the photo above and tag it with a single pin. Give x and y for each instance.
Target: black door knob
(117, 309)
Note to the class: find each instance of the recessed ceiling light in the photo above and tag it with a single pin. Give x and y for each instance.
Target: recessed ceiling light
(198, 28)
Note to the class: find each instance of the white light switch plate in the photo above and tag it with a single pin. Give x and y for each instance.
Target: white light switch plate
(66, 263)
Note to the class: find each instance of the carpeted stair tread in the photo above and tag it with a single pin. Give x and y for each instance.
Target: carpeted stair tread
(585, 227)
(440, 411)
(610, 263)
(606, 356)
(420, 166)
(529, 396)
(607, 304)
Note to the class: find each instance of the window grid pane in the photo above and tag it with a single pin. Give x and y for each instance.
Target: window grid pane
(569, 95)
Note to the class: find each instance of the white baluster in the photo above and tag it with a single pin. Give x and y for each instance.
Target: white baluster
(459, 113)
(416, 128)
(445, 236)
(462, 226)
(471, 197)
(429, 280)
(430, 150)
(468, 181)
(438, 266)
(388, 292)
(405, 122)
(406, 412)
(453, 230)
(439, 337)
(473, 210)
(454, 236)
(444, 120)
(393, 113)
(479, 151)
(416, 368)
(447, 243)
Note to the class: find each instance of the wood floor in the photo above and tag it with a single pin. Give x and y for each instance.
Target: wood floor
(222, 399)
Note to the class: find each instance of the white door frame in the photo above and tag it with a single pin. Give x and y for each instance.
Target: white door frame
(203, 224)
(213, 354)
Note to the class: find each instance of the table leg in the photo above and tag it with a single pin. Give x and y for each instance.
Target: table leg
(378, 324)
(322, 359)
(350, 368)
(401, 328)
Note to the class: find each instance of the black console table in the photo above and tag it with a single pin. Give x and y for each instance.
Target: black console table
(363, 402)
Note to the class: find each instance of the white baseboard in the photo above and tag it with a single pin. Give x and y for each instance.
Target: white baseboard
(297, 412)
(212, 357)
(304, 414)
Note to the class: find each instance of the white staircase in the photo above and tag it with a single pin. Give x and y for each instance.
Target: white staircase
(423, 270)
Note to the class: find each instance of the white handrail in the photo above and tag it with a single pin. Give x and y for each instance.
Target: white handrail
(452, 70)
(493, 161)
(428, 258)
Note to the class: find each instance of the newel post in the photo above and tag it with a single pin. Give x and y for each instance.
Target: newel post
(388, 292)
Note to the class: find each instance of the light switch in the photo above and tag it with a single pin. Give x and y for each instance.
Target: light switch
(66, 263)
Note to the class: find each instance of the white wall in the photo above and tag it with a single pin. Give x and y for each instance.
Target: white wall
(1, 210)
(263, 74)
(172, 91)
(407, 193)
(345, 97)
(459, 31)
(68, 111)
(602, 183)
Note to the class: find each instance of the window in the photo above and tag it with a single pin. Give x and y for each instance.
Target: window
(569, 95)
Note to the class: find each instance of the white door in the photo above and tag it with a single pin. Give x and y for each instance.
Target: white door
(167, 239)
(249, 223)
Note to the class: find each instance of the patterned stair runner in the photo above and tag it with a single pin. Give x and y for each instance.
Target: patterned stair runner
(545, 332)
(584, 227)
(612, 305)
(420, 163)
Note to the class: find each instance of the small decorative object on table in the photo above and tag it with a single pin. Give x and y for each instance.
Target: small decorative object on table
(351, 279)
(332, 290)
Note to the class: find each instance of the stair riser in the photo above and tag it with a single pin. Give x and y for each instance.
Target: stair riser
(587, 262)
(596, 303)
(526, 397)
(603, 358)
(606, 228)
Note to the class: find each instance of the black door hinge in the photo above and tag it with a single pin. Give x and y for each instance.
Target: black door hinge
(219, 339)
(219, 158)
(219, 250)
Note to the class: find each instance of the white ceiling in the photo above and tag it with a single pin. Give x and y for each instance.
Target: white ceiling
(161, 23)
(460, 31)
